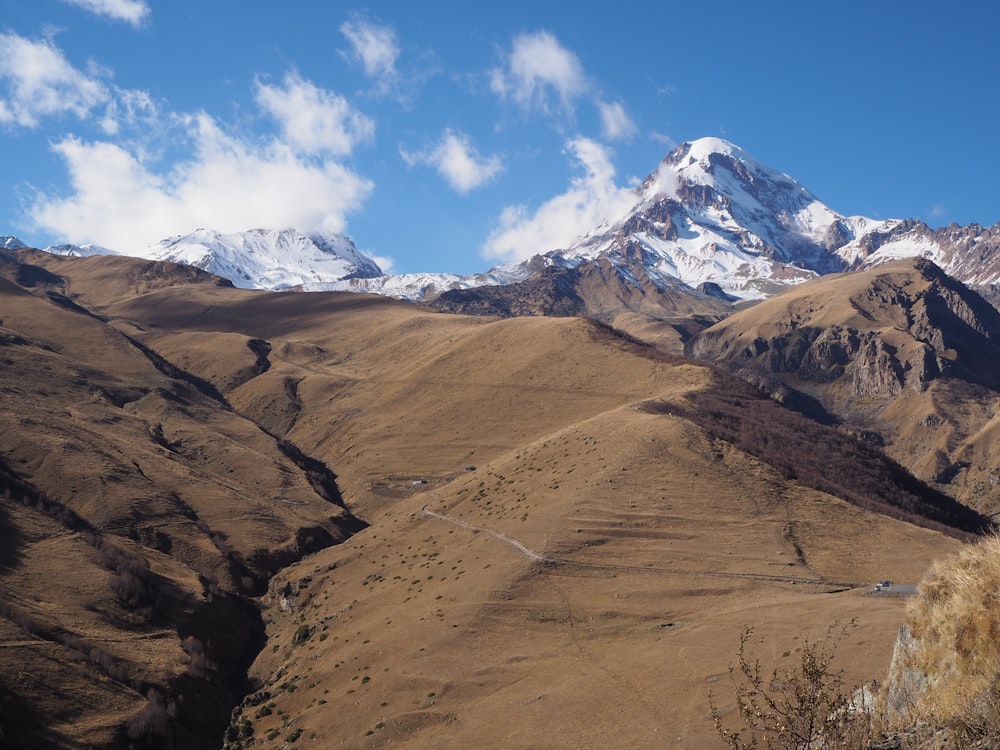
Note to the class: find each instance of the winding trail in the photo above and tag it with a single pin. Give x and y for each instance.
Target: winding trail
(526, 551)
(544, 559)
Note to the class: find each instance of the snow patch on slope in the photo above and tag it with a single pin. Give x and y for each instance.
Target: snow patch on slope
(79, 251)
(420, 286)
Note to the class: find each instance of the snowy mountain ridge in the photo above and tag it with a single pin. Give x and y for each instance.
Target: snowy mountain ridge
(267, 258)
(256, 259)
(417, 286)
(709, 214)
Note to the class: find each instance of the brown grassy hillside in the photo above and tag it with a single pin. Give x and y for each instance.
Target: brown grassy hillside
(134, 499)
(658, 545)
(546, 563)
(900, 351)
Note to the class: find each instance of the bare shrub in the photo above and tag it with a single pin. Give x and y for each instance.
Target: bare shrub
(802, 707)
(199, 662)
(208, 580)
(131, 582)
(154, 719)
(302, 634)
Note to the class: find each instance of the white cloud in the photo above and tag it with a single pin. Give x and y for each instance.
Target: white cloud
(615, 122)
(130, 108)
(457, 161)
(130, 11)
(123, 203)
(39, 82)
(384, 262)
(938, 211)
(313, 119)
(538, 68)
(591, 199)
(375, 47)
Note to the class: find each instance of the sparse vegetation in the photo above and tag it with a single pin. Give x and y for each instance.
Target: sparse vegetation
(943, 689)
(239, 734)
(800, 707)
(219, 507)
(131, 580)
(820, 456)
(200, 663)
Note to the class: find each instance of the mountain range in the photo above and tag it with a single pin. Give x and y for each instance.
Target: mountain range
(235, 514)
(710, 221)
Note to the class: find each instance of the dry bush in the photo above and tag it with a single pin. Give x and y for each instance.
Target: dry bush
(132, 582)
(955, 625)
(153, 719)
(199, 662)
(804, 706)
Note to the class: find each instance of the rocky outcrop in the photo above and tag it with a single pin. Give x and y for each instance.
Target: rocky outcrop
(900, 331)
(906, 683)
(602, 288)
(873, 366)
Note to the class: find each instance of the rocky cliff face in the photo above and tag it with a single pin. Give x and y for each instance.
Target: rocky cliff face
(601, 288)
(901, 327)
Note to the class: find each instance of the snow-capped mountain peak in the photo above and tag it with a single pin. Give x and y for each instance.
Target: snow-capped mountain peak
(713, 213)
(268, 258)
(79, 251)
(10, 242)
(710, 214)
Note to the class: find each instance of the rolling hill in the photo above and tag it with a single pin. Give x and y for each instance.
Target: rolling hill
(360, 520)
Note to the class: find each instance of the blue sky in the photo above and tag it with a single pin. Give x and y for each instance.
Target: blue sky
(446, 138)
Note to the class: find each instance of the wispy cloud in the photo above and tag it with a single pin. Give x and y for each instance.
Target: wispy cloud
(314, 120)
(591, 198)
(540, 74)
(457, 161)
(376, 48)
(663, 138)
(133, 12)
(129, 108)
(39, 82)
(615, 122)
